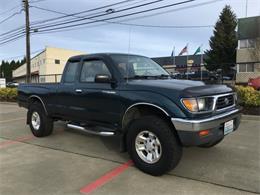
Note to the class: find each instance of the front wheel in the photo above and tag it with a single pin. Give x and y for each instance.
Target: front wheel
(153, 145)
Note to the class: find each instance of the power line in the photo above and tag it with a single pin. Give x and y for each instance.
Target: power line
(57, 18)
(103, 14)
(11, 36)
(160, 13)
(20, 56)
(11, 16)
(81, 12)
(75, 15)
(102, 20)
(8, 11)
(140, 25)
(36, 1)
(173, 10)
(11, 40)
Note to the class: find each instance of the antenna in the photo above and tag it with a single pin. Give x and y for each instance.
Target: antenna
(129, 46)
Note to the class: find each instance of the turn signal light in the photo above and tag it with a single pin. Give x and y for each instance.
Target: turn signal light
(204, 133)
(190, 104)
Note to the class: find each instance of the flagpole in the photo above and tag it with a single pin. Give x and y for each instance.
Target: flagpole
(187, 61)
(201, 62)
(174, 55)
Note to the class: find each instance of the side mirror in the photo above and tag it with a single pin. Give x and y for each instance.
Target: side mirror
(102, 78)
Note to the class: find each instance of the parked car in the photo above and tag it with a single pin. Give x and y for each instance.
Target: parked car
(204, 75)
(12, 84)
(255, 83)
(134, 98)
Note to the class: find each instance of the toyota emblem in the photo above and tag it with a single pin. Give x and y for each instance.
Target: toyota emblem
(226, 100)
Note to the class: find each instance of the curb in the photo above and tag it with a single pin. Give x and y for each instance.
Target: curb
(11, 103)
(251, 117)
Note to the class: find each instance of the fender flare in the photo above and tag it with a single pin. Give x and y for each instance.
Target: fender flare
(146, 104)
(38, 98)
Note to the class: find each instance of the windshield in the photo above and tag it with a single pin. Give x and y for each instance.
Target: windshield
(131, 66)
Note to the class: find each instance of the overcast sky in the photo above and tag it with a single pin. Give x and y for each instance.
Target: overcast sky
(151, 42)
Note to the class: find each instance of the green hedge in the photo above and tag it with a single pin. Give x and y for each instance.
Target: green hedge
(8, 94)
(248, 96)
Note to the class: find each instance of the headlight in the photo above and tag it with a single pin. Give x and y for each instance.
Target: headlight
(235, 98)
(203, 104)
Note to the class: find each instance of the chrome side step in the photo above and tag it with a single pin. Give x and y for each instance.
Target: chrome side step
(102, 133)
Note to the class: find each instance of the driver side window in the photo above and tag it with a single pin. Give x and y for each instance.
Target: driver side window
(91, 68)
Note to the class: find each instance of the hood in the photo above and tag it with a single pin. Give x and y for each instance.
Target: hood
(173, 84)
(174, 88)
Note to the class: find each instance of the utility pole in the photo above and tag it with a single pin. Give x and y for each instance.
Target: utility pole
(27, 31)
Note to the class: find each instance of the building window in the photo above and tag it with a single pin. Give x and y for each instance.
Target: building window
(246, 67)
(243, 43)
(57, 61)
(247, 43)
(250, 67)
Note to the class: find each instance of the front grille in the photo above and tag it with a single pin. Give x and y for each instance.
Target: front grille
(225, 101)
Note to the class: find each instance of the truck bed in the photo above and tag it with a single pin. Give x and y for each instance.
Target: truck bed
(43, 90)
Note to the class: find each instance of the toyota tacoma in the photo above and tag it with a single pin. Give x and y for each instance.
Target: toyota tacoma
(134, 98)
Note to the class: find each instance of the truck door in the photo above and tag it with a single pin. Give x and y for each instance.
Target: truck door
(66, 91)
(96, 102)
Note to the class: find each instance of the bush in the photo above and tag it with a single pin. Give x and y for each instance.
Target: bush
(248, 96)
(8, 94)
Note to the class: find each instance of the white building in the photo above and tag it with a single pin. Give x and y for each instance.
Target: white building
(46, 66)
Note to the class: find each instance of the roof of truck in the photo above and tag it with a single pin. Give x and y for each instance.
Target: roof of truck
(78, 57)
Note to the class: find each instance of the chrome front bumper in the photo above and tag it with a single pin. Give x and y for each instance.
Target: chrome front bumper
(205, 124)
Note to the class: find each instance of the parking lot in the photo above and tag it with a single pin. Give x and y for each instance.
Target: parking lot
(70, 162)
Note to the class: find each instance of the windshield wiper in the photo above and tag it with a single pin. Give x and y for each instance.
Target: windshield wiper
(140, 77)
(162, 76)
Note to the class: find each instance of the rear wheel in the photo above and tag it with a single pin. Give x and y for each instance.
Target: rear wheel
(41, 125)
(153, 145)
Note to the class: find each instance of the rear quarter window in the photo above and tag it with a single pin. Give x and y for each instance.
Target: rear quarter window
(70, 72)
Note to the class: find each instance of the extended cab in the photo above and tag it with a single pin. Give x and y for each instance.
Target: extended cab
(132, 97)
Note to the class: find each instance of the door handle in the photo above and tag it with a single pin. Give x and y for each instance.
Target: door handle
(78, 90)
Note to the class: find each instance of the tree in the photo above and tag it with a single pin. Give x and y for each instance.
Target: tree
(7, 67)
(223, 43)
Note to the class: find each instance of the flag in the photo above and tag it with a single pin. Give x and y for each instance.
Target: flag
(173, 52)
(197, 50)
(184, 50)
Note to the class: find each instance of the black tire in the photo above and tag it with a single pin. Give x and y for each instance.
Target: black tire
(46, 123)
(171, 148)
(210, 145)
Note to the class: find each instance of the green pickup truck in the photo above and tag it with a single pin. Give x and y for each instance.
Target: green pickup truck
(132, 97)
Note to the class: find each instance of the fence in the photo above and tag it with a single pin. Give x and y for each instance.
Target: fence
(48, 78)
